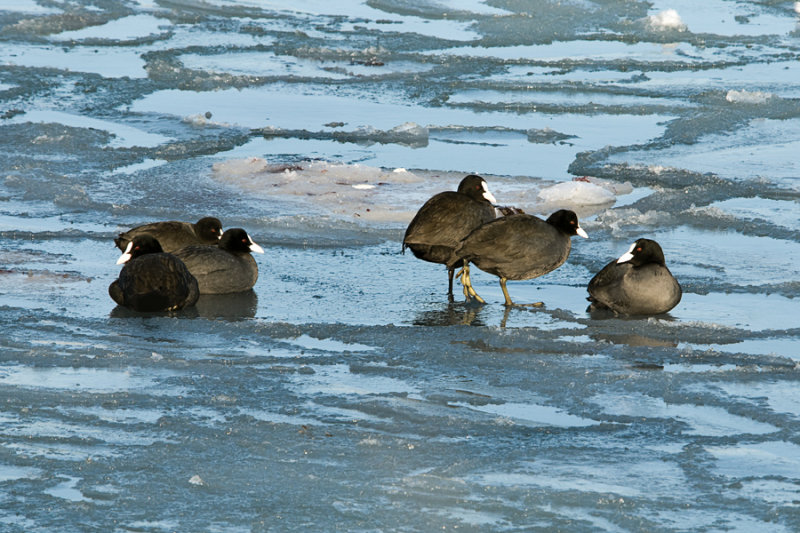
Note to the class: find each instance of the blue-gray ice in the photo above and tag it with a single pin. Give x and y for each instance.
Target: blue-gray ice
(344, 393)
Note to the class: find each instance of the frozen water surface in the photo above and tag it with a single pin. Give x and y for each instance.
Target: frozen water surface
(536, 415)
(66, 490)
(720, 17)
(345, 391)
(104, 61)
(123, 136)
(745, 153)
(122, 29)
(27, 7)
(701, 420)
(778, 458)
(260, 64)
(594, 50)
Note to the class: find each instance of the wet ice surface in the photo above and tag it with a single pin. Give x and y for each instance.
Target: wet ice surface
(345, 391)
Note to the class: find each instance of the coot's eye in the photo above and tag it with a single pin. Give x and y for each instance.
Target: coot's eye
(639, 249)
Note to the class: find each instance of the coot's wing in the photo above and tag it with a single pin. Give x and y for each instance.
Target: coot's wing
(605, 286)
(447, 218)
(116, 293)
(171, 234)
(179, 280)
(505, 239)
(606, 276)
(650, 290)
(154, 282)
(205, 260)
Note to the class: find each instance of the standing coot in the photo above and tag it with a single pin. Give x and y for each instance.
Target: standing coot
(174, 235)
(152, 280)
(638, 283)
(225, 268)
(517, 247)
(446, 218)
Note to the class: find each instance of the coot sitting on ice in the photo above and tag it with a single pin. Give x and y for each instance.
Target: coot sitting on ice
(174, 235)
(152, 280)
(225, 268)
(638, 283)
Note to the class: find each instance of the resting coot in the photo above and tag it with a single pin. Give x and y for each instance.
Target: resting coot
(225, 268)
(638, 283)
(152, 280)
(516, 247)
(174, 235)
(445, 219)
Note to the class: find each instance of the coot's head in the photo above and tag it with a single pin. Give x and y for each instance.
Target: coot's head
(567, 221)
(141, 245)
(642, 252)
(209, 228)
(476, 188)
(237, 240)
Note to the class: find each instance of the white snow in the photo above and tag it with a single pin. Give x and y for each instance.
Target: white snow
(748, 97)
(576, 193)
(666, 20)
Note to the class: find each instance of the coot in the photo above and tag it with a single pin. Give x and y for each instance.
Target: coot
(174, 235)
(446, 218)
(638, 283)
(225, 268)
(518, 246)
(152, 280)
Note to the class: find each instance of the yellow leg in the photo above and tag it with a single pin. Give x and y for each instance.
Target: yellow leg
(509, 303)
(464, 278)
(469, 292)
(472, 291)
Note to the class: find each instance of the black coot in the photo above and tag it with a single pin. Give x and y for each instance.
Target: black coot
(517, 247)
(174, 235)
(152, 280)
(446, 218)
(638, 283)
(225, 268)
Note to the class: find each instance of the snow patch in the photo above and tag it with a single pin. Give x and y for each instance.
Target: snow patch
(351, 190)
(748, 97)
(576, 193)
(584, 191)
(666, 20)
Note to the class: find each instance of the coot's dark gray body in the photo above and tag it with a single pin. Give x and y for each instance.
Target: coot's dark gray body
(225, 268)
(518, 246)
(174, 235)
(446, 218)
(638, 283)
(152, 280)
